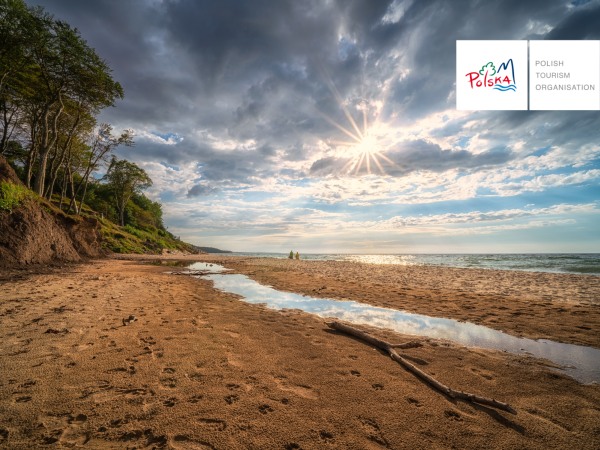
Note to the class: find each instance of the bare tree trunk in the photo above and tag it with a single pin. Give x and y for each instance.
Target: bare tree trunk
(63, 190)
(85, 186)
(9, 124)
(73, 203)
(49, 137)
(31, 157)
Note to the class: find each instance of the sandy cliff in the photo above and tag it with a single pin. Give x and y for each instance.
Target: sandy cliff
(37, 233)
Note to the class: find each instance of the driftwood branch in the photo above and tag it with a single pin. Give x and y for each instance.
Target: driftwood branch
(389, 348)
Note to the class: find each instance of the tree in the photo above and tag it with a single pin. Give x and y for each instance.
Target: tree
(125, 179)
(69, 71)
(50, 82)
(103, 142)
(16, 70)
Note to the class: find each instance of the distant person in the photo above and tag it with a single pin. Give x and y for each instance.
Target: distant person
(291, 254)
(297, 255)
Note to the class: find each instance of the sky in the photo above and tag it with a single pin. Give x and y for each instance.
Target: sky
(330, 126)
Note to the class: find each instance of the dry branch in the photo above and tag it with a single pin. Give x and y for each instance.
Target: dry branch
(389, 348)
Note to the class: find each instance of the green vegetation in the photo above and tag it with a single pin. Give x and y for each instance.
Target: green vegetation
(52, 88)
(12, 195)
(134, 240)
(125, 179)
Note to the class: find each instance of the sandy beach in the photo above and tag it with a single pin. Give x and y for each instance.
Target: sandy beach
(196, 368)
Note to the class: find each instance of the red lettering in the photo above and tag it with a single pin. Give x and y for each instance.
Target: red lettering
(472, 77)
(475, 80)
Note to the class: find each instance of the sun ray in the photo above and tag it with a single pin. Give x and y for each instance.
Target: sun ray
(359, 163)
(352, 122)
(376, 160)
(340, 127)
(364, 153)
(341, 102)
(365, 127)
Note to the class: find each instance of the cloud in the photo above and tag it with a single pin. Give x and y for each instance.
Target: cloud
(200, 190)
(239, 103)
(478, 217)
(411, 156)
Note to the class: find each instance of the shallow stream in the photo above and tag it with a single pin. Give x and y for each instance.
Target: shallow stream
(577, 361)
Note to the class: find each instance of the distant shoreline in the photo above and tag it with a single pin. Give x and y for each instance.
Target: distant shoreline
(569, 263)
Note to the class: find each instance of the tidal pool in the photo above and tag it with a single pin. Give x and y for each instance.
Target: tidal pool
(577, 361)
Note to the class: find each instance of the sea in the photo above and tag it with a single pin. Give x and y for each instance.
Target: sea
(575, 263)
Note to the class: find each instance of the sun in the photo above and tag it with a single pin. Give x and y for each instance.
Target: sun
(365, 151)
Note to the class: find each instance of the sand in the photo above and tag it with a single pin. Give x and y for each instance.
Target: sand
(200, 369)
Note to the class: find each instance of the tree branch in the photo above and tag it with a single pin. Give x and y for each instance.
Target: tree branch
(389, 348)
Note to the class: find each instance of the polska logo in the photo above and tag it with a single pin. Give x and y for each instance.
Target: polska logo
(501, 78)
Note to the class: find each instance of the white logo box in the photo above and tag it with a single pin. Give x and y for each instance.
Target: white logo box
(491, 75)
(507, 75)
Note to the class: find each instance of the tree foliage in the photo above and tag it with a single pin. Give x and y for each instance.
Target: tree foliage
(125, 179)
(52, 88)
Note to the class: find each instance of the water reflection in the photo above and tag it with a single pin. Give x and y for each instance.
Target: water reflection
(208, 267)
(581, 363)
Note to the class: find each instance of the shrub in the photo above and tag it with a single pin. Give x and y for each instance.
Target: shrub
(12, 195)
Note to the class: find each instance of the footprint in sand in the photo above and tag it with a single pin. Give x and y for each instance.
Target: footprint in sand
(27, 384)
(482, 373)
(373, 431)
(195, 398)
(326, 436)
(549, 418)
(265, 409)
(452, 415)
(197, 377)
(300, 390)
(65, 429)
(213, 424)
(170, 402)
(3, 435)
(169, 382)
(413, 401)
(182, 441)
(231, 399)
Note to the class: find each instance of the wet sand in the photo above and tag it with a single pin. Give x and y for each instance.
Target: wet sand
(199, 369)
(560, 307)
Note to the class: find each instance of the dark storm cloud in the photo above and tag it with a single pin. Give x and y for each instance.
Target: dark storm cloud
(267, 71)
(418, 155)
(200, 190)
(582, 24)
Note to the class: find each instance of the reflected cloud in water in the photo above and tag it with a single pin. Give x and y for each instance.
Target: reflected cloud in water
(579, 362)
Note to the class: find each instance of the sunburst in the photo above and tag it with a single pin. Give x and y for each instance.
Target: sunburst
(365, 150)
(366, 147)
